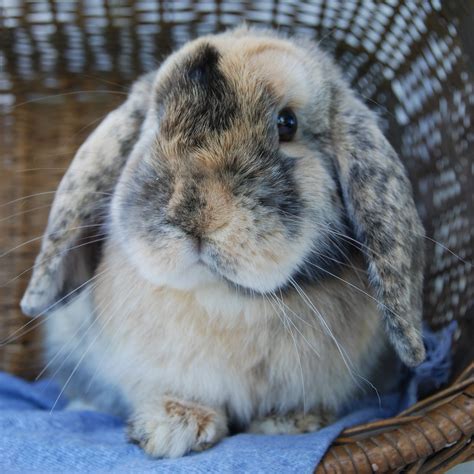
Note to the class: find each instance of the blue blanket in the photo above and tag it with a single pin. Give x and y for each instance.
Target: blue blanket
(34, 440)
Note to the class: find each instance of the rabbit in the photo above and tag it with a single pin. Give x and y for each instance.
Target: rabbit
(235, 248)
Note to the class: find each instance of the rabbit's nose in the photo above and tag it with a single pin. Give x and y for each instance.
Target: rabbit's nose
(184, 207)
(186, 218)
(199, 208)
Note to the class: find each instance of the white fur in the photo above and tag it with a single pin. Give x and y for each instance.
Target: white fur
(215, 347)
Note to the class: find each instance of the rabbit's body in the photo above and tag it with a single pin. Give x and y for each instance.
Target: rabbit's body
(250, 361)
(251, 356)
(240, 183)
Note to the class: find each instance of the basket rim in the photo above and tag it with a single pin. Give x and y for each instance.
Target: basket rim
(432, 435)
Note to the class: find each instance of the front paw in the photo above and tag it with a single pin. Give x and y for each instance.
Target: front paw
(172, 428)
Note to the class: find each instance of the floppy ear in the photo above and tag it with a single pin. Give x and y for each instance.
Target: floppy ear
(379, 202)
(70, 250)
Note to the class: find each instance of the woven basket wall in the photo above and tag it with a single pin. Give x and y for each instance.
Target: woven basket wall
(64, 65)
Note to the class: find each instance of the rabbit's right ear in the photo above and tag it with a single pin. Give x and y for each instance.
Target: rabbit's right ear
(68, 256)
(378, 198)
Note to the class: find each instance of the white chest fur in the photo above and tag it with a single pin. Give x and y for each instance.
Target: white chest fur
(247, 355)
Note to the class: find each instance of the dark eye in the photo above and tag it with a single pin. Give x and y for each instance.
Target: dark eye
(287, 124)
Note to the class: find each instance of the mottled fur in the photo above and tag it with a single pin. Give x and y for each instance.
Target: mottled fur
(225, 295)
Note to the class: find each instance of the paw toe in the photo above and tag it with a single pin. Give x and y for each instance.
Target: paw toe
(177, 428)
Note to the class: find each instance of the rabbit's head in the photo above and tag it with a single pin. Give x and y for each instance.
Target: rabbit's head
(246, 159)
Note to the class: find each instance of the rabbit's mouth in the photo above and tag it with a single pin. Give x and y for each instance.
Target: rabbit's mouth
(239, 278)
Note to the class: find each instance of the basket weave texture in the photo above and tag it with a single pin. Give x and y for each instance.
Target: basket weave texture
(66, 64)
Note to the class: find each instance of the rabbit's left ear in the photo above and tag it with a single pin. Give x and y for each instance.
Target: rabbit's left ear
(378, 198)
(70, 250)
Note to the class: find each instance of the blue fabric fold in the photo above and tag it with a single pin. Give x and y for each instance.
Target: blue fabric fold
(34, 439)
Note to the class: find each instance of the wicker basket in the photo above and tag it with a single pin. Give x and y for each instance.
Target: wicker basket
(65, 64)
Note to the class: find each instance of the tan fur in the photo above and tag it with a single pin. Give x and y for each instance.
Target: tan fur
(166, 332)
(202, 417)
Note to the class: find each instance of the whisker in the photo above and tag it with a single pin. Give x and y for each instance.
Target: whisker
(447, 249)
(357, 289)
(360, 244)
(382, 107)
(326, 35)
(350, 265)
(31, 170)
(285, 318)
(113, 344)
(11, 337)
(105, 81)
(78, 342)
(45, 193)
(297, 316)
(41, 236)
(22, 213)
(52, 96)
(104, 236)
(66, 344)
(326, 326)
(357, 271)
(344, 355)
(86, 352)
(70, 150)
(98, 119)
(296, 327)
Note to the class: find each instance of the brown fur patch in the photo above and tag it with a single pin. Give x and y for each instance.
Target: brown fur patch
(189, 411)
